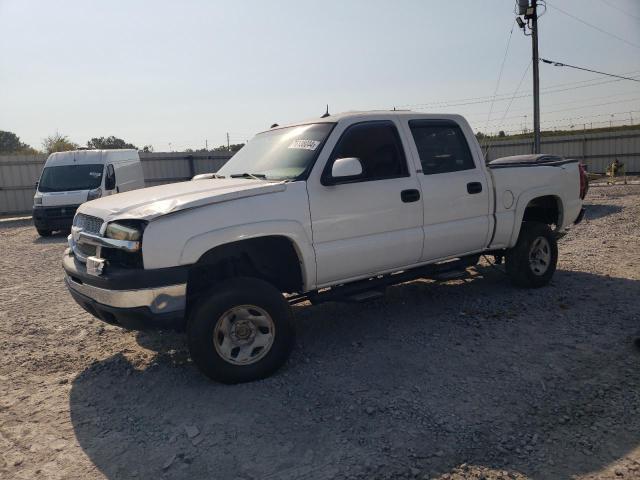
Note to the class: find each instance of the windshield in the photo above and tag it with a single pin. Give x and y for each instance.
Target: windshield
(70, 177)
(280, 154)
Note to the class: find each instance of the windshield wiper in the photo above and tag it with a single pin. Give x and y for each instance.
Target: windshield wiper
(257, 176)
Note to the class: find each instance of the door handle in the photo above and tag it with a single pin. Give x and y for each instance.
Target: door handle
(474, 187)
(409, 196)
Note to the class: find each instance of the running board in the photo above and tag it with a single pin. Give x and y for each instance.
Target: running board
(365, 296)
(371, 288)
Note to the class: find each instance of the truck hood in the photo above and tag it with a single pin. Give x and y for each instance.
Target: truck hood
(149, 203)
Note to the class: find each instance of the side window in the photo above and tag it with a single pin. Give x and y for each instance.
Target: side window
(378, 147)
(110, 178)
(442, 147)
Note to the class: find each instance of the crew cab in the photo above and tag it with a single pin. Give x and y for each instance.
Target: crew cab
(329, 209)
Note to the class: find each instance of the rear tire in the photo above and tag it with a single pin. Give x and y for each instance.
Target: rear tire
(240, 331)
(44, 233)
(532, 262)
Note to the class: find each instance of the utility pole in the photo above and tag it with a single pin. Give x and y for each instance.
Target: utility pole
(228, 146)
(536, 78)
(529, 10)
(206, 144)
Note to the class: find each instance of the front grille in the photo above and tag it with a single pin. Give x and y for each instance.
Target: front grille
(59, 212)
(87, 223)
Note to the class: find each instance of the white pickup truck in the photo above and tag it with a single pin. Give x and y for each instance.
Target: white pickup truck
(333, 208)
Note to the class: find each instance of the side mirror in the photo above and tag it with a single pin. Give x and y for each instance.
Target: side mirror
(36, 185)
(346, 168)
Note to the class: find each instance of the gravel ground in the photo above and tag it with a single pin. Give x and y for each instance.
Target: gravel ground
(465, 379)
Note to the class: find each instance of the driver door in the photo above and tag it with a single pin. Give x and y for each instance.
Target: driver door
(370, 223)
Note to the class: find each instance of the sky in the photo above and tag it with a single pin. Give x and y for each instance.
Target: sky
(177, 74)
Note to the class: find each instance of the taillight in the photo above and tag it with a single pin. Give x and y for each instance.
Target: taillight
(584, 181)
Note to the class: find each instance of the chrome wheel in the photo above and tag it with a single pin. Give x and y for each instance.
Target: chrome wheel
(540, 256)
(244, 334)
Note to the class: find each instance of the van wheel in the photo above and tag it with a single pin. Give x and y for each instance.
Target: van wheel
(532, 262)
(44, 233)
(241, 330)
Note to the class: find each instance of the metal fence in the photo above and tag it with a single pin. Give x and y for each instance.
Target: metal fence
(596, 150)
(19, 173)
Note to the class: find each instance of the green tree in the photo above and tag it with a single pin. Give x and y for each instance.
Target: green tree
(234, 147)
(147, 148)
(10, 143)
(109, 143)
(58, 143)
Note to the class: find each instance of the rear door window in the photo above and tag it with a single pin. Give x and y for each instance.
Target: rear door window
(441, 146)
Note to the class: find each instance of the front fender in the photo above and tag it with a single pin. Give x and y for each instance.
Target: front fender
(198, 245)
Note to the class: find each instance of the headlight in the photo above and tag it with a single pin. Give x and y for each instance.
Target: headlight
(118, 231)
(37, 200)
(93, 194)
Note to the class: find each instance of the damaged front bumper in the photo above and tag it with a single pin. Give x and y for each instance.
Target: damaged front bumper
(137, 299)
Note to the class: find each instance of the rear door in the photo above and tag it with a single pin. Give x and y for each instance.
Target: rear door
(455, 191)
(368, 224)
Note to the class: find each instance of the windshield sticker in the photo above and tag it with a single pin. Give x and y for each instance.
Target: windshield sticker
(305, 144)
(95, 174)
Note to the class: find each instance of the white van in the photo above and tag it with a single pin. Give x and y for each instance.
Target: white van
(71, 178)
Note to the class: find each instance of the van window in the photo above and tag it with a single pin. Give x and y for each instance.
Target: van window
(441, 146)
(110, 178)
(68, 178)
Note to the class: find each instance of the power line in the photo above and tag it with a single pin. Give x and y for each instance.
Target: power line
(486, 99)
(504, 59)
(511, 101)
(580, 118)
(568, 127)
(594, 26)
(593, 105)
(479, 114)
(620, 9)
(560, 64)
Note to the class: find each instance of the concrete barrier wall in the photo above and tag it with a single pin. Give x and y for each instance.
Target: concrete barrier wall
(596, 150)
(18, 173)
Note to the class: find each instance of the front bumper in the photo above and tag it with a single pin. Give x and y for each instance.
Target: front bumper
(132, 298)
(54, 218)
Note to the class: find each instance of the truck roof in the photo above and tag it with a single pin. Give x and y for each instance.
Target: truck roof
(376, 114)
(86, 157)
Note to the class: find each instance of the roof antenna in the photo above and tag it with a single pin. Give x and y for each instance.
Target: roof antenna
(326, 114)
(274, 125)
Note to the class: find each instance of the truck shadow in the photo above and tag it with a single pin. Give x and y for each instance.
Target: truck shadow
(56, 237)
(540, 382)
(593, 212)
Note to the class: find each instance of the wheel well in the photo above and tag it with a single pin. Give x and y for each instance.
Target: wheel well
(543, 209)
(272, 258)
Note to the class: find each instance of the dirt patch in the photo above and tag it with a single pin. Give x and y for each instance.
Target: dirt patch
(465, 379)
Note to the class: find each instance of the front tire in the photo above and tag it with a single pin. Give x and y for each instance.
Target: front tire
(532, 262)
(240, 331)
(43, 233)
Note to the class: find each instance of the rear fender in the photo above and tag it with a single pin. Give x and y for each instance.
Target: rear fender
(523, 201)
